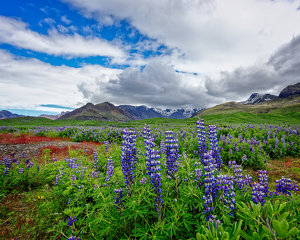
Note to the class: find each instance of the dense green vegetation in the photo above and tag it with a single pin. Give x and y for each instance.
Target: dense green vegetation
(152, 184)
(282, 117)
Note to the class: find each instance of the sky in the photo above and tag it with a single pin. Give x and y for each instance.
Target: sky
(57, 55)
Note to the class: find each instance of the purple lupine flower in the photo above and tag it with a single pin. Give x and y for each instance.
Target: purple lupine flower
(6, 171)
(110, 169)
(128, 158)
(71, 220)
(209, 182)
(198, 175)
(286, 186)
(143, 180)
(230, 164)
(118, 197)
(73, 178)
(244, 158)
(263, 181)
(258, 193)
(248, 180)
(146, 134)
(7, 162)
(71, 163)
(21, 170)
(106, 143)
(96, 161)
(73, 238)
(225, 183)
(283, 141)
(238, 176)
(162, 146)
(201, 135)
(153, 167)
(94, 174)
(171, 153)
(57, 178)
(30, 165)
(214, 145)
(149, 144)
(155, 179)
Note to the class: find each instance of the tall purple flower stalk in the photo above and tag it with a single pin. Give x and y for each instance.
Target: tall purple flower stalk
(162, 146)
(238, 176)
(95, 157)
(146, 134)
(201, 135)
(118, 198)
(198, 175)
(263, 180)
(153, 167)
(110, 169)
(209, 182)
(171, 153)
(214, 145)
(149, 145)
(106, 145)
(260, 190)
(225, 183)
(128, 158)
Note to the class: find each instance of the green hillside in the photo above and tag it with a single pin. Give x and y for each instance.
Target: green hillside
(277, 106)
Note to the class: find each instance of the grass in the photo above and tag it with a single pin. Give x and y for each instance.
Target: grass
(284, 117)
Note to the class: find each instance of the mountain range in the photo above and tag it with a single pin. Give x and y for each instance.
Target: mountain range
(106, 111)
(287, 100)
(7, 114)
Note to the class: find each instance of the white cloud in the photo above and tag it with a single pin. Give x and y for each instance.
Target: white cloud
(65, 20)
(27, 83)
(212, 35)
(17, 33)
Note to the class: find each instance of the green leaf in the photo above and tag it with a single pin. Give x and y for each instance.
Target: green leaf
(235, 234)
(281, 228)
(198, 236)
(283, 216)
(270, 209)
(292, 232)
(267, 231)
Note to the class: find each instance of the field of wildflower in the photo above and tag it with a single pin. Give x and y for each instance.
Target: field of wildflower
(188, 183)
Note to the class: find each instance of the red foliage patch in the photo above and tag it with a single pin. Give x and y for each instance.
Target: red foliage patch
(288, 163)
(6, 138)
(61, 152)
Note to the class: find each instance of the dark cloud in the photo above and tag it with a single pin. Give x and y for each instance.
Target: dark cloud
(282, 69)
(156, 84)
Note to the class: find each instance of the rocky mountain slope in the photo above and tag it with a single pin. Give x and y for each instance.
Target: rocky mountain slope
(141, 112)
(288, 100)
(144, 112)
(54, 117)
(256, 98)
(103, 111)
(291, 90)
(7, 114)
